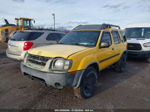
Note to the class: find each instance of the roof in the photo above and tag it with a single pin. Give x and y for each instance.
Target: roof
(23, 18)
(48, 31)
(96, 26)
(88, 27)
(138, 25)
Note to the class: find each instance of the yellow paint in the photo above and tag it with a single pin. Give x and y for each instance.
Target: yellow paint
(83, 56)
(11, 29)
(56, 50)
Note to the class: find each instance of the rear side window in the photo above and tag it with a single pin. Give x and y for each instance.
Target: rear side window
(54, 36)
(26, 36)
(124, 38)
(34, 35)
(123, 35)
(116, 37)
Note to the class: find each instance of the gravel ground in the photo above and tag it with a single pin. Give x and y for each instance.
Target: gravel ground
(128, 90)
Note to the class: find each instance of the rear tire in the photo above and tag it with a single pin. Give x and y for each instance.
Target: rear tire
(88, 84)
(148, 60)
(121, 64)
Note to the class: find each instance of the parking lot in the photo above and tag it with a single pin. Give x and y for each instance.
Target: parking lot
(128, 90)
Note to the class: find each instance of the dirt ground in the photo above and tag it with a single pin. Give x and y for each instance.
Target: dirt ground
(128, 90)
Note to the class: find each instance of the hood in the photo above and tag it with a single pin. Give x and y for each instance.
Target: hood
(56, 50)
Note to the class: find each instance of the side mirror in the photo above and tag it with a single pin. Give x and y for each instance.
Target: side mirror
(104, 45)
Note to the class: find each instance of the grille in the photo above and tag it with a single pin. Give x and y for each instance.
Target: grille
(134, 46)
(38, 60)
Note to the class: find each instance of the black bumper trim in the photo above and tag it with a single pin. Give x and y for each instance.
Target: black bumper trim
(140, 54)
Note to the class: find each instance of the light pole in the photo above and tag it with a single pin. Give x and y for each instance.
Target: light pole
(53, 14)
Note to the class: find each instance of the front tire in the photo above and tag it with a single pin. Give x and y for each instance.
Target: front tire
(88, 84)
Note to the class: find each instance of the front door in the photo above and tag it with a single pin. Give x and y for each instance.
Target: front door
(105, 54)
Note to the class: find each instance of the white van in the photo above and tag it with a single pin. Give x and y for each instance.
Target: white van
(138, 38)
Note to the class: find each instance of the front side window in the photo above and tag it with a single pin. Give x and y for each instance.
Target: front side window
(116, 37)
(106, 38)
(83, 38)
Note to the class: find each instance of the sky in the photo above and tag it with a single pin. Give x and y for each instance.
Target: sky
(70, 13)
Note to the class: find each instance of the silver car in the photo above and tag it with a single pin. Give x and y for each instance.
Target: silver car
(22, 41)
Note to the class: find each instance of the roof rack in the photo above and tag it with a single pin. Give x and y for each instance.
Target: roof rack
(110, 26)
(100, 27)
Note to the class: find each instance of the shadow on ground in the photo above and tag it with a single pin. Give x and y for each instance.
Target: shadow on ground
(109, 78)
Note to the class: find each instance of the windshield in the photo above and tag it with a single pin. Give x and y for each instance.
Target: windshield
(83, 38)
(138, 33)
(26, 36)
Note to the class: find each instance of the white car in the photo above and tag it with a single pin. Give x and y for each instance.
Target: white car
(138, 38)
(22, 41)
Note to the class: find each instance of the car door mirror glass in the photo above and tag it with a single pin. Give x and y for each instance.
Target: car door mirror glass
(104, 45)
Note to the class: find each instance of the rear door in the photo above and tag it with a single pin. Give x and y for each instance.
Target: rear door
(118, 46)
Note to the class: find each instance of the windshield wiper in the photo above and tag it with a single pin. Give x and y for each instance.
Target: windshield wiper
(60, 43)
(75, 44)
(68, 43)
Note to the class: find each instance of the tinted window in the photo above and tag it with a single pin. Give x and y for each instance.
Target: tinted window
(83, 38)
(146, 33)
(54, 36)
(26, 36)
(116, 37)
(138, 33)
(106, 38)
(134, 33)
(122, 33)
(124, 38)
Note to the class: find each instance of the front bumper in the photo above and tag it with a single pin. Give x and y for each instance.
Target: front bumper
(139, 54)
(57, 80)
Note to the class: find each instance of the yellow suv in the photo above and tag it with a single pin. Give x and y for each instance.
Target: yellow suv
(78, 58)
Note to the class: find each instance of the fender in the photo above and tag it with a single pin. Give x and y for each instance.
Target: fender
(86, 61)
(79, 75)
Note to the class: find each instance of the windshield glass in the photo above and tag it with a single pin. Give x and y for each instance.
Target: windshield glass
(26, 36)
(83, 38)
(138, 33)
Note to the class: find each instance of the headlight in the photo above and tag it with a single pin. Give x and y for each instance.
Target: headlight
(60, 64)
(146, 44)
